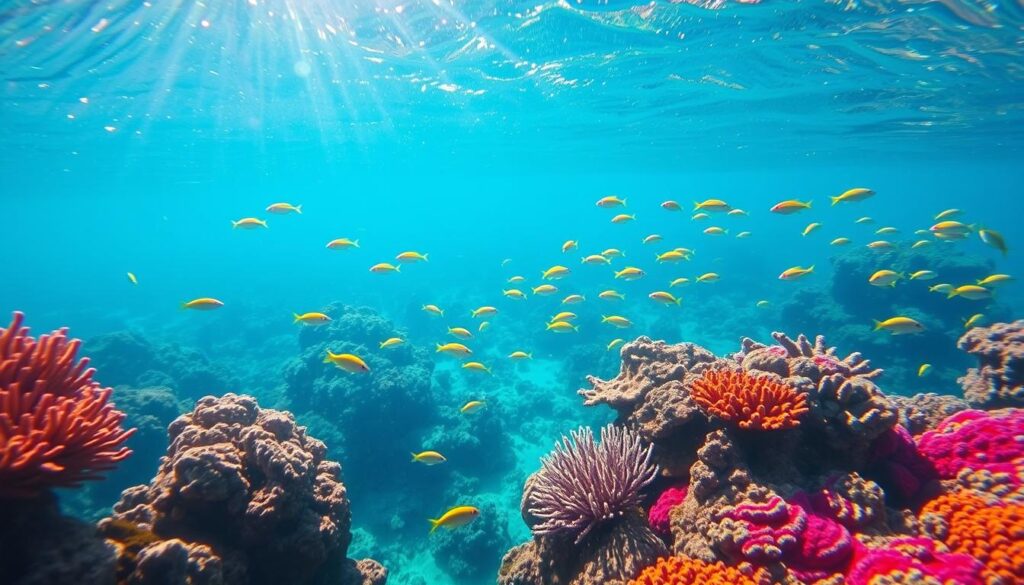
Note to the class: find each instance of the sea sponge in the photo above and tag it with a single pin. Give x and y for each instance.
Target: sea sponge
(749, 401)
(681, 570)
(999, 378)
(658, 515)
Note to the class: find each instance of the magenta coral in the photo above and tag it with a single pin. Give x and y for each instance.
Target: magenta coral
(914, 560)
(900, 465)
(975, 440)
(57, 426)
(658, 515)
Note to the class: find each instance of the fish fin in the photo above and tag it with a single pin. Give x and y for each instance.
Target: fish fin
(576, 327)
(836, 200)
(398, 268)
(434, 524)
(808, 204)
(893, 284)
(298, 209)
(696, 205)
(951, 294)
(604, 318)
(413, 458)
(297, 317)
(184, 306)
(878, 325)
(234, 224)
(725, 231)
(425, 257)
(811, 269)
(530, 355)
(439, 346)
(327, 358)
(679, 301)
(623, 201)
(355, 243)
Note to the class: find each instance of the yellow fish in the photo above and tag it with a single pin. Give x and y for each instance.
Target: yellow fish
(573, 299)
(595, 259)
(248, 223)
(947, 214)
(410, 257)
(951, 227)
(886, 231)
(555, 272)
(630, 273)
(545, 289)
(884, 278)
(459, 516)
(941, 288)
(347, 361)
(924, 369)
(520, 355)
(699, 216)
(880, 245)
(652, 239)
(391, 342)
(623, 218)
(433, 310)
(472, 406)
(664, 298)
(670, 205)
(923, 275)
(810, 228)
(995, 280)
(611, 201)
(790, 206)
(563, 316)
(971, 292)
(384, 268)
(282, 208)
(611, 294)
(455, 349)
(899, 325)
(743, 235)
(973, 320)
(856, 194)
(762, 304)
(617, 321)
(682, 281)
(951, 236)
(994, 239)
(796, 272)
(715, 231)
(484, 311)
(484, 326)
(514, 293)
(460, 332)
(711, 205)
(311, 318)
(864, 219)
(476, 367)
(737, 212)
(671, 256)
(203, 304)
(132, 278)
(613, 253)
(515, 279)
(708, 277)
(570, 245)
(685, 252)
(921, 244)
(428, 458)
(562, 327)
(342, 244)
(840, 241)
(615, 343)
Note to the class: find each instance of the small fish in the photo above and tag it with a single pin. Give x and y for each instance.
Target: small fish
(699, 216)
(840, 241)
(670, 205)
(428, 458)
(484, 311)
(410, 257)
(562, 327)
(652, 239)
(609, 295)
(611, 201)
(922, 233)
(737, 212)
(617, 321)
(203, 304)
(623, 218)
(715, 231)
(472, 406)
(973, 320)
(311, 318)
(459, 516)
(708, 277)
(131, 277)
(520, 355)
(385, 268)
(563, 316)
(484, 326)
(971, 292)
(947, 214)
(682, 281)
(924, 369)
(555, 272)
(573, 299)
(923, 275)
(455, 349)
(941, 288)
(886, 231)
(864, 219)
(476, 367)
(685, 252)
(615, 343)
(711, 205)
(855, 194)
(630, 273)
(460, 332)
(347, 361)
(762, 304)
(595, 259)
(810, 228)
(796, 272)
(921, 244)
(995, 280)
(884, 278)
(248, 223)
(880, 245)
(665, 298)
(515, 279)
(391, 342)
(994, 239)
(790, 206)
(951, 236)
(671, 256)
(570, 245)
(951, 227)
(613, 253)
(342, 244)
(545, 289)
(283, 208)
(433, 310)
(505, 262)
(514, 293)
(899, 325)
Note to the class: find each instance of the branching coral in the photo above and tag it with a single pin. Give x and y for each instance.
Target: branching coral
(681, 570)
(583, 483)
(751, 402)
(57, 425)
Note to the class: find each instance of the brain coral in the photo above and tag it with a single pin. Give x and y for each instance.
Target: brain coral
(751, 402)
(681, 570)
(921, 561)
(999, 378)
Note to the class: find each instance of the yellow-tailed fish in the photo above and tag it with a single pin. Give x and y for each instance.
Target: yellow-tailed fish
(203, 304)
(433, 310)
(514, 293)
(385, 268)
(951, 236)
(476, 367)
(973, 320)
(652, 239)
(762, 304)
(520, 355)
(796, 272)
(921, 244)
(455, 349)
(855, 194)
(613, 253)
(947, 214)
(699, 216)
(994, 239)
(611, 295)
(899, 325)
(711, 205)
(563, 316)
(611, 201)
(545, 289)
(484, 326)
(617, 321)
(624, 218)
(886, 231)
(283, 208)
(428, 458)
(924, 369)
(615, 343)
(864, 219)
(708, 277)
(460, 332)
(347, 361)
(248, 223)
(742, 235)
(715, 231)
(562, 327)
(515, 279)
(840, 241)
(671, 256)
(880, 245)
(484, 311)
(884, 278)
(132, 277)
(410, 257)
(595, 259)
(311, 318)
(555, 272)
(459, 516)
(630, 273)
(472, 406)
(923, 275)
(570, 245)
(665, 298)
(670, 205)
(342, 244)
(951, 227)
(941, 288)
(391, 342)
(995, 280)
(682, 281)
(573, 299)
(790, 206)
(810, 228)
(971, 292)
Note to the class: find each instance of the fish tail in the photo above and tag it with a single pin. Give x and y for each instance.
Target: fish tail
(808, 204)
(398, 268)
(234, 224)
(413, 458)
(811, 269)
(576, 328)
(892, 284)
(951, 294)
(298, 209)
(433, 524)
(425, 257)
(327, 358)
(439, 346)
(725, 231)
(836, 200)
(878, 325)
(696, 205)
(679, 302)
(355, 243)
(297, 317)
(623, 201)
(530, 355)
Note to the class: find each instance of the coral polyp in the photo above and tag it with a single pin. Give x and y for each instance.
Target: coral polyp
(751, 402)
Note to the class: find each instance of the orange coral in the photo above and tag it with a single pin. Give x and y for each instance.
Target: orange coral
(987, 529)
(682, 570)
(752, 402)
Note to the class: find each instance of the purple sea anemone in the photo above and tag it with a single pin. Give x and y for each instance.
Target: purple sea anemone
(583, 483)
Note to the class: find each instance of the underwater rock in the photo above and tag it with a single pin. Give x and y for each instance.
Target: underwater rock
(923, 412)
(252, 486)
(999, 378)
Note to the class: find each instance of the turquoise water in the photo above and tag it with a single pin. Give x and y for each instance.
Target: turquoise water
(482, 134)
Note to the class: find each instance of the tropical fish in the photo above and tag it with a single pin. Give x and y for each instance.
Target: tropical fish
(514, 293)
(762, 304)
(476, 367)
(737, 212)
(856, 194)
(994, 239)
(790, 206)
(941, 288)
(617, 321)
(682, 281)
(670, 205)
(884, 278)
(385, 268)
(391, 342)
(515, 279)
(971, 291)
(711, 205)
(410, 257)
(545, 289)
(282, 208)
(342, 244)
(840, 241)
(520, 355)
(795, 272)
(810, 228)
(924, 369)
(922, 233)
(951, 227)
(573, 299)
(472, 406)
(611, 294)
(921, 244)
(995, 280)
(923, 275)
(455, 349)
(611, 201)
(615, 343)
(685, 252)
(715, 231)
(562, 327)
(555, 272)
(248, 223)
(347, 361)
(699, 216)
(484, 326)
(460, 332)
(595, 259)
(899, 325)
(563, 316)
(951, 236)
(428, 458)
(459, 516)
(630, 273)
(880, 245)
(947, 214)
(613, 253)
(483, 311)
(664, 298)
(203, 304)
(433, 310)
(505, 262)
(570, 245)
(623, 218)
(131, 277)
(742, 235)
(652, 239)
(671, 256)
(311, 318)
(973, 320)
(886, 231)
(708, 277)
(864, 219)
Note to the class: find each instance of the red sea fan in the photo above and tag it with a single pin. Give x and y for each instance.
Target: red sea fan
(57, 426)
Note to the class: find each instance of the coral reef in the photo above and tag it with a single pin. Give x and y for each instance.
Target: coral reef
(914, 560)
(973, 444)
(58, 427)
(658, 515)
(248, 494)
(680, 570)
(999, 378)
(922, 412)
(751, 402)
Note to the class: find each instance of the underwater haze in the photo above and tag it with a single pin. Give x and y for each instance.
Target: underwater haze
(486, 136)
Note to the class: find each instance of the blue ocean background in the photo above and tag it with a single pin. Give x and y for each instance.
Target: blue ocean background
(483, 134)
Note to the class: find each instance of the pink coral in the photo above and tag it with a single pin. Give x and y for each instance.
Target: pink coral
(658, 515)
(899, 464)
(914, 560)
(976, 441)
